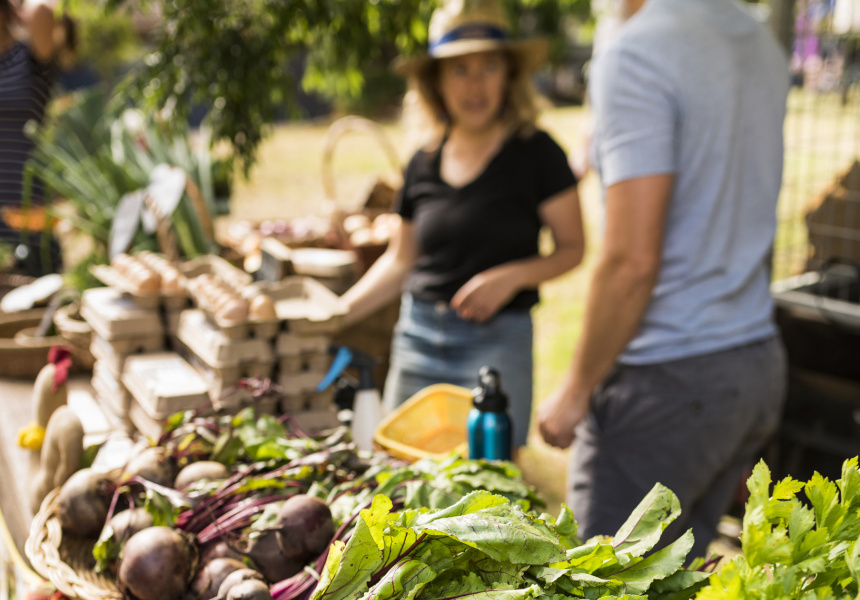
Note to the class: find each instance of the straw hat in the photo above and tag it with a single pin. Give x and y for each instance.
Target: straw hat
(466, 26)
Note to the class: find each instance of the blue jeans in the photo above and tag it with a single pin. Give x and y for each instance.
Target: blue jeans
(433, 345)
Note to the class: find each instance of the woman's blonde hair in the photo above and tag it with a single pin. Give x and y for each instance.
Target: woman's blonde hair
(426, 118)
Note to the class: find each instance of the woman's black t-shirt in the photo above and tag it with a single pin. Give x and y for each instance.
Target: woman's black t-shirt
(494, 219)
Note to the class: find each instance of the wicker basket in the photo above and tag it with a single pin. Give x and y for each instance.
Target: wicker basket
(76, 332)
(66, 562)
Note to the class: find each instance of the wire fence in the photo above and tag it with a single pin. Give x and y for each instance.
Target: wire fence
(819, 207)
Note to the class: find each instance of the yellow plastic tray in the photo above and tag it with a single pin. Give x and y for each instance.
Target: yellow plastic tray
(431, 424)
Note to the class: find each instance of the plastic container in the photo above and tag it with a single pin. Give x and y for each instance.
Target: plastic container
(114, 315)
(431, 424)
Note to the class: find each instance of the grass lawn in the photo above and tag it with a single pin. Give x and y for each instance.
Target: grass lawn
(821, 140)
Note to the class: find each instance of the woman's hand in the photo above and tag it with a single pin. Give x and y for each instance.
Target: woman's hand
(485, 294)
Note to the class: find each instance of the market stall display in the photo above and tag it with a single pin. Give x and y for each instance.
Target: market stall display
(310, 518)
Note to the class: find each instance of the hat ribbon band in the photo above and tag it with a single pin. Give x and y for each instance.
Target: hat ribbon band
(472, 31)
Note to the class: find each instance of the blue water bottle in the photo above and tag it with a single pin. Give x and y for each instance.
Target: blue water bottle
(489, 425)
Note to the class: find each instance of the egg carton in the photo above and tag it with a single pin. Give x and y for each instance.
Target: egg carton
(111, 393)
(116, 316)
(111, 277)
(305, 307)
(215, 348)
(112, 354)
(146, 425)
(294, 384)
(217, 267)
(292, 345)
(303, 363)
(248, 326)
(164, 383)
(309, 401)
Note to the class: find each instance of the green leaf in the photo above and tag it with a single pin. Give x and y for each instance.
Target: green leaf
(824, 497)
(642, 530)
(401, 580)
(659, 565)
(679, 585)
(106, 549)
(503, 531)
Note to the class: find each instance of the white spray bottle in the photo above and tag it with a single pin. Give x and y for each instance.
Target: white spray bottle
(367, 406)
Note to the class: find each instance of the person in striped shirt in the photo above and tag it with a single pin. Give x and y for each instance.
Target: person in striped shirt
(28, 48)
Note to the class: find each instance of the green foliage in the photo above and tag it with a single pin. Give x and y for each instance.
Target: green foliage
(234, 57)
(795, 550)
(483, 546)
(106, 39)
(91, 156)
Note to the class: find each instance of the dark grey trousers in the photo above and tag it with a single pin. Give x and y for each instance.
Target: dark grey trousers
(695, 425)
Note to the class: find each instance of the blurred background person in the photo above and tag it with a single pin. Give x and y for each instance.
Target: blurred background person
(31, 40)
(475, 197)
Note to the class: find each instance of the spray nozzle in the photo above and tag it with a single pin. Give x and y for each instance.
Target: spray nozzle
(345, 357)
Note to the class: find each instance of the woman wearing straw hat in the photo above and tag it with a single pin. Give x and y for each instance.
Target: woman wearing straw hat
(474, 199)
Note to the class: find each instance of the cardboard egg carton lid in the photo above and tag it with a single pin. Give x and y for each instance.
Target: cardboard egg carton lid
(215, 348)
(305, 306)
(114, 315)
(164, 383)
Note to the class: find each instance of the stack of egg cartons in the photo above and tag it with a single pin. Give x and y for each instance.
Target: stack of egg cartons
(224, 360)
(310, 313)
(161, 384)
(121, 328)
(229, 336)
(129, 320)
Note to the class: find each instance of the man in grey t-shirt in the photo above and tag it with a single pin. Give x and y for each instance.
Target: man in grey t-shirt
(679, 377)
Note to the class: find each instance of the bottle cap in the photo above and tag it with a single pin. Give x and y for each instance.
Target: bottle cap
(488, 396)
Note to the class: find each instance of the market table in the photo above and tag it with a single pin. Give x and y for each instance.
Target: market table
(18, 465)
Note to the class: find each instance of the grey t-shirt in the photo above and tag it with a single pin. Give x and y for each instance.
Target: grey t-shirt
(697, 88)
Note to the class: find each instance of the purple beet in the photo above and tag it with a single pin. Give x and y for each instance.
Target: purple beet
(304, 528)
(157, 564)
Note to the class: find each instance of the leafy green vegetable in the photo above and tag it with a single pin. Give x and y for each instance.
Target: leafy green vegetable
(485, 546)
(791, 550)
